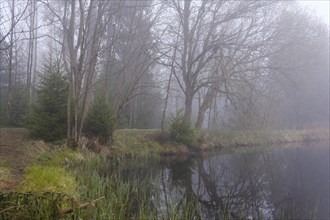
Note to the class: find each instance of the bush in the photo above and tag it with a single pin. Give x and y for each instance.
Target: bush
(48, 119)
(181, 132)
(100, 121)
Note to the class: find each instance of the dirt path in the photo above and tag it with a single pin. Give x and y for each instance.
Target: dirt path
(14, 156)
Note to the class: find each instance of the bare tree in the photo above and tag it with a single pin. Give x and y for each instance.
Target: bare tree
(32, 49)
(211, 33)
(10, 66)
(83, 29)
(8, 24)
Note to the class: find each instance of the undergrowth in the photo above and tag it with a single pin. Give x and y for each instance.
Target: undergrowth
(49, 189)
(37, 206)
(65, 179)
(126, 197)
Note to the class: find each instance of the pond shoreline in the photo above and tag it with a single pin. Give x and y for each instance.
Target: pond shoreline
(135, 142)
(48, 167)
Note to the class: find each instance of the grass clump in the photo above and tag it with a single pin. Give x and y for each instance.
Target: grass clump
(39, 178)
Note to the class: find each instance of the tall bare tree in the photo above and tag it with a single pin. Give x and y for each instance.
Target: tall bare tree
(207, 29)
(83, 28)
(32, 49)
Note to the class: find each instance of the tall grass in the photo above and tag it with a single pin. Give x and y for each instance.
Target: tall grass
(122, 196)
(126, 197)
(43, 206)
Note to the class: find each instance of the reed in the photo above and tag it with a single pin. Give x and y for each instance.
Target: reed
(126, 196)
(95, 177)
(28, 205)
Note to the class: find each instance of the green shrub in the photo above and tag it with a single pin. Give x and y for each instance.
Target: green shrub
(181, 132)
(48, 119)
(100, 121)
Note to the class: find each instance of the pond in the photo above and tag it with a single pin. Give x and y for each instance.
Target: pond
(286, 182)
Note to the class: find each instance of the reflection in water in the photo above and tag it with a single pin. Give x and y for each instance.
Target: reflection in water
(285, 183)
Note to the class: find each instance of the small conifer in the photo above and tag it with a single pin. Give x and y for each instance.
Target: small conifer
(48, 119)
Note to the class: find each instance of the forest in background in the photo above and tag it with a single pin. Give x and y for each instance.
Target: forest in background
(221, 65)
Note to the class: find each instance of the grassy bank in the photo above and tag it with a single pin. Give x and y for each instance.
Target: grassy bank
(65, 184)
(136, 142)
(59, 183)
(248, 138)
(19, 152)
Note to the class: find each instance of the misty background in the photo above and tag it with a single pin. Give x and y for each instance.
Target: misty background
(222, 65)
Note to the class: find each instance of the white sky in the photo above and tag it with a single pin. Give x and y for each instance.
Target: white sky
(320, 7)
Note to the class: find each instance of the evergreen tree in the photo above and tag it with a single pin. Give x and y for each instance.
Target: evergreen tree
(100, 121)
(181, 132)
(48, 119)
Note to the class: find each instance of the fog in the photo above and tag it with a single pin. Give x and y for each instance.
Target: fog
(221, 65)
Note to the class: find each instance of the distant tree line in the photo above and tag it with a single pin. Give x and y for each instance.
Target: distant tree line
(69, 65)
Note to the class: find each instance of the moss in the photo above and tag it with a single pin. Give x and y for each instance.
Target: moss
(48, 175)
(39, 178)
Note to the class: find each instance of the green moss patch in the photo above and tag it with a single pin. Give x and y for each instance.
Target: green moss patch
(48, 179)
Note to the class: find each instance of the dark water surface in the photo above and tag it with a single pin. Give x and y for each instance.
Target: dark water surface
(290, 182)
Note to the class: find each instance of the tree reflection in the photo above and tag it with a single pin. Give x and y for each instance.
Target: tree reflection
(230, 187)
(258, 185)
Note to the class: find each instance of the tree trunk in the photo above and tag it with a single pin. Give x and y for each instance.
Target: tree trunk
(10, 67)
(70, 137)
(31, 53)
(69, 114)
(94, 28)
(207, 102)
(166, 100)
(35, 35)
(168, 87)
(188, 106)
(185, 58)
